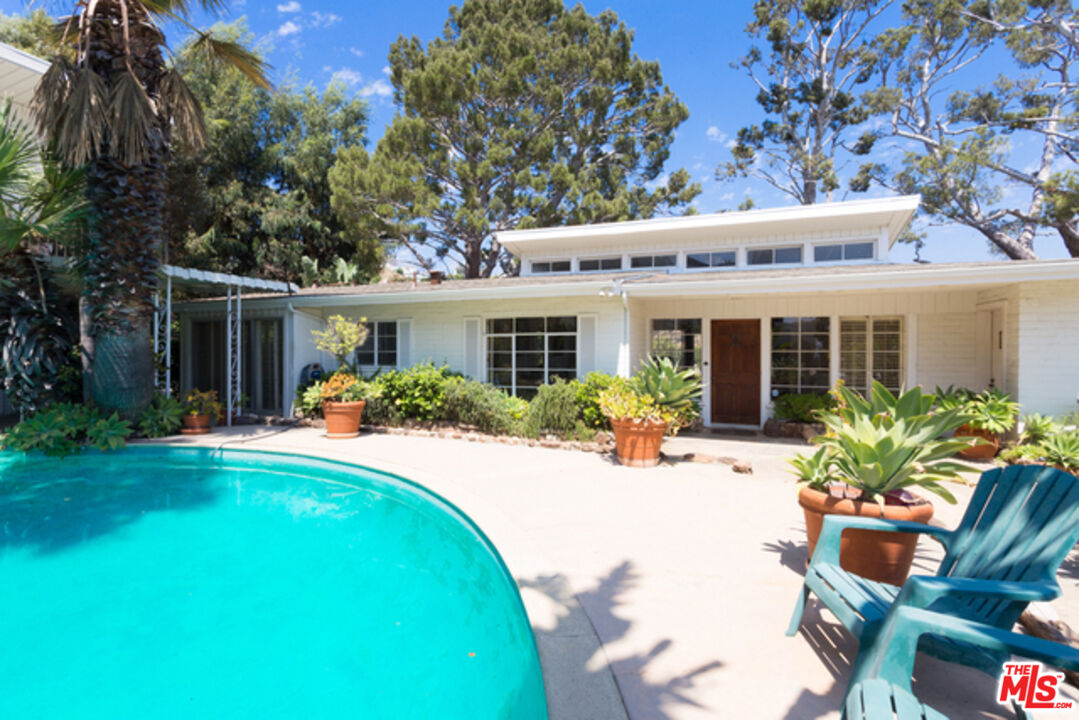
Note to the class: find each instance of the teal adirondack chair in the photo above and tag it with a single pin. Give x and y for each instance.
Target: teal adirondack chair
(883, 691)
(1018, 528)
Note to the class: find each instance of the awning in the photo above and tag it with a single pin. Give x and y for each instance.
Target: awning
(191, 279)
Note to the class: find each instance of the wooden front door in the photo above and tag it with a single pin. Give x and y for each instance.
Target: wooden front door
(736, 372)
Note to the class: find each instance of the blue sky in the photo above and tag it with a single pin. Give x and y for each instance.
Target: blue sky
(313, 41)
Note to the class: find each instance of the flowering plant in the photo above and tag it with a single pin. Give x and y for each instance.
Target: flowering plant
(342, 387)
(203, 402)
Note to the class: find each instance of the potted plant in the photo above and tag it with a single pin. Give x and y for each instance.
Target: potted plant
(992, 413)
(659, 400)
(342, 405)
(341, 338)
(873, 450)
(201, 410)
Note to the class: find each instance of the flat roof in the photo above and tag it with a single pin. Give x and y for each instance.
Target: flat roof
(893, 213)
(831, 278)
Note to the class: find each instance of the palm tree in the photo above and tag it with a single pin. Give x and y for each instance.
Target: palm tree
(111, 103)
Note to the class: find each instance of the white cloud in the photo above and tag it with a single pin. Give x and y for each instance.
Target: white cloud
(290, 7)
(289, 28)
(356, 51)
(379, 88)
(731, 143)
(715, 134)
(385, 69)
(325, 21)
(348, 76)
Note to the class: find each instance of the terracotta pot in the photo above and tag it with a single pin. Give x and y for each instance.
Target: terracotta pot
(342, 418)
(637, 443)
(881, 556)
(979, 452)
(195, 424)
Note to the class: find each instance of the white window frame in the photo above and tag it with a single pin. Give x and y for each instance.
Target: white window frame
(374, 334)
(710, 268)
(775, 391)
(550, 260)
(621, 263)
(844, 244)
(652, 256)
(512, 388)
(773, 249)
(869, 350)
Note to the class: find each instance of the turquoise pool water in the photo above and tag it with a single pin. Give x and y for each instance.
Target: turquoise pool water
(182, 583)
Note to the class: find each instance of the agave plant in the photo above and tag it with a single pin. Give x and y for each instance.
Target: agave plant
(672, 389)
(1062, 450)
(886, 443)
(109, 102)
(993, 411)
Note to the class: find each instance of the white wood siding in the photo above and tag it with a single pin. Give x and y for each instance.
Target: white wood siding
(1048, 347)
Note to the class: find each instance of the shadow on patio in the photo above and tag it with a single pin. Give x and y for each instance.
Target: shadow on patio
(576, 666)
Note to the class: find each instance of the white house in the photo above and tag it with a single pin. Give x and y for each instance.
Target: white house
(766, 301)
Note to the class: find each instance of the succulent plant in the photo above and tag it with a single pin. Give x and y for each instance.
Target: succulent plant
(670, 388)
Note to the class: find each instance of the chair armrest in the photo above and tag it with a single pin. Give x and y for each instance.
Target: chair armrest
(921, 591)
(827, 549)
(891, 656)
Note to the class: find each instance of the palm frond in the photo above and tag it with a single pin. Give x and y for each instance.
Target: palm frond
(17, 155)
(80, 128)
(225, 52)
(51, 95)
(182, 109)
(132, 118)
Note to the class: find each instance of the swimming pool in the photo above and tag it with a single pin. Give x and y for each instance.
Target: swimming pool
(191, 583)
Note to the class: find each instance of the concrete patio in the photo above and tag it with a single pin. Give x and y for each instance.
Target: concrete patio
(655, 594)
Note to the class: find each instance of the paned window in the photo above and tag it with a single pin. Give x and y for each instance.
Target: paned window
(524, 353)
(800, 355)
(380, 348)
(680, 340)
(653, 261)
(774, 256)
(696, 261)
(871, 348)
(843, 251)
(607, 263)
(551, 266)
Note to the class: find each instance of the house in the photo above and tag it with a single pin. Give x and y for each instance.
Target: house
(767, 302)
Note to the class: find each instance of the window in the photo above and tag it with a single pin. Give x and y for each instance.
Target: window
(524, 353)
(774, 256)
(840, 252)
(680, 340)
(871, 348)
(710, 260)
(607, 263)
(549, 266)
(800, 358)
(380, 348)
(653, 261)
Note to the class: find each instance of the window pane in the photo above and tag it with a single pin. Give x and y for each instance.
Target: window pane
(529, 360)
(815, 359)
(787, 324)
(690, 326)
(564, 374)
(801, 358)
(561, 342)
(814, 341)
(789, 255)
(816, 324)
(502, 344)
(858, 251)
(698, 260)
(588, 265)
(886, 325)
(759, 257)
(785, 377)
(541, 267)
(562, 324)
(529, 378)
(562, 360)
(614, 263)
(784, 360)
(365, 357)
(500, 360)
(502, 378)
(560, 266)
(663, 324)
(530, 343)
(533, 325)
(784, 341)
(387, 357)
(640, 262)
(665, 260)
(501, 326)
(827, 253)
(723, 259)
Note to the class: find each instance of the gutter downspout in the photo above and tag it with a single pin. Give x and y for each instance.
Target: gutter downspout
(623, 349)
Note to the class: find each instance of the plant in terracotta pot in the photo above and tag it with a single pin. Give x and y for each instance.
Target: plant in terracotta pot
(342, 405)
(201, 410)
(659, 400)
(874, 450)
(992, 413)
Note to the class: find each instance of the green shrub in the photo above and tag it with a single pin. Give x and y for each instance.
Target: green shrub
(162, 418)
(674, 390)
(1037, 427)
(800, 407)
(588, 391)
(1062, 450)
(993, 411)
(64, 429)
(309, 399)
(471, 402)
(553, 410)
(418, 393)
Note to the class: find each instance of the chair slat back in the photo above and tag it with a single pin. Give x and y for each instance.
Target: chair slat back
(1020, 525)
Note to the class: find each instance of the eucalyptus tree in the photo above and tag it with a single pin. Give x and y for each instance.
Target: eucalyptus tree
(998, 157)
(524, 113)
(819, 56)
(109, 101)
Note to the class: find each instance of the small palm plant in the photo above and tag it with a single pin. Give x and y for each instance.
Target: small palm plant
(885, 443)
(110, 103)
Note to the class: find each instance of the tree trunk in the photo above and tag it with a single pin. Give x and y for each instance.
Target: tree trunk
(1071, 239)
(122, 371)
